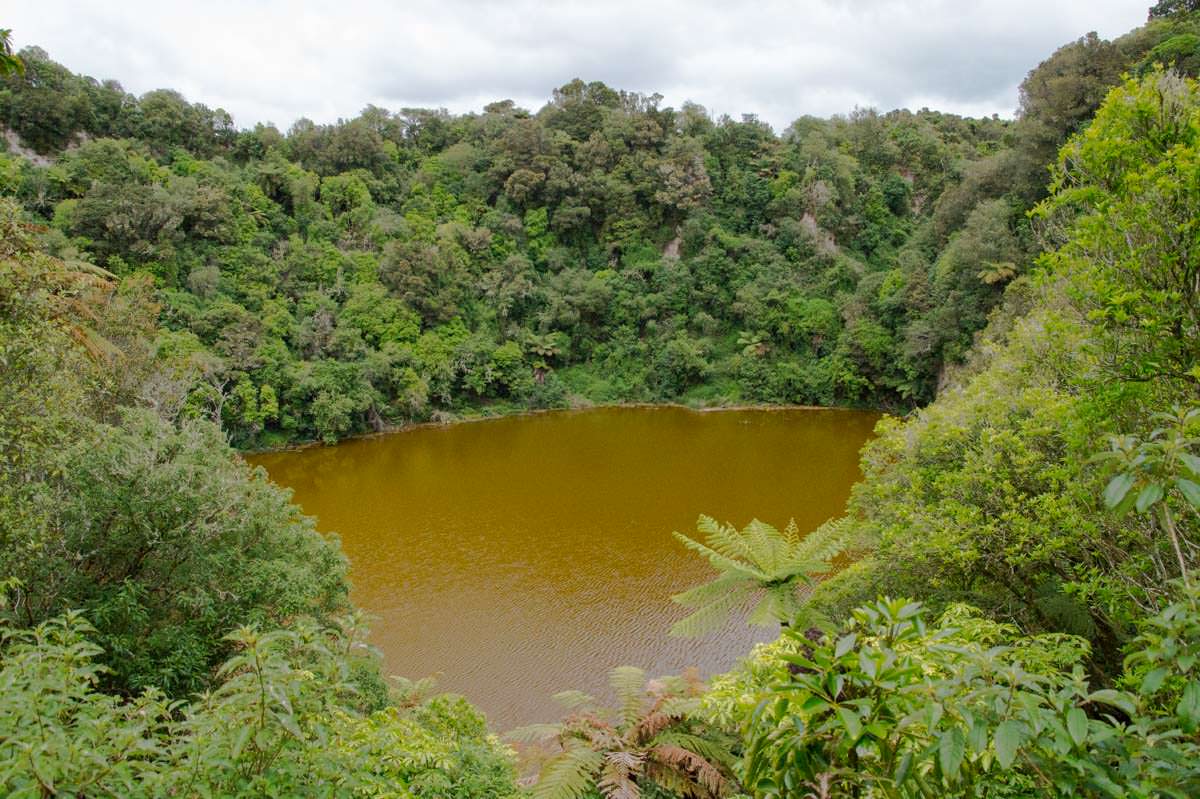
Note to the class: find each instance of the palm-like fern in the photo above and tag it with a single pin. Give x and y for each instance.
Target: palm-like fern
(651, 739)
(759, 566)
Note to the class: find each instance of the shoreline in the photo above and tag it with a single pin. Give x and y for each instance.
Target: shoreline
(485, 417)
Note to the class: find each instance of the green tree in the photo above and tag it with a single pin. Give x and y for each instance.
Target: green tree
(1168, 8)
(1125, 212)
(10, 64)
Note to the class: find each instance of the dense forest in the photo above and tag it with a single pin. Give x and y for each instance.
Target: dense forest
(415, 265)
(1024, 294)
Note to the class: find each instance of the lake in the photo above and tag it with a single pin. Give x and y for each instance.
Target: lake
(517, 557)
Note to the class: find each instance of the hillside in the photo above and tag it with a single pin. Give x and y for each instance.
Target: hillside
(1009, 607)
(410, 265)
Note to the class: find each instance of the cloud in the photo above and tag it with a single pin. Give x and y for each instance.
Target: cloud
(272, 60)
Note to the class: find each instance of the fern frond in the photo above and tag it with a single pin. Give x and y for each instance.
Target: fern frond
(767, 545)
(791, 533)
(825, 543)
(680, 706)
(573, 700)
(770, 609)
(91, 269)
(652, 724)
(628, 683)
(713, 751)
(621, 769)
(722, 563)
(568, 775)
(724, 538)
(626, 760)
(618, 784)
(533, 733)
(684, 761)
(711, 617)
(708, 592)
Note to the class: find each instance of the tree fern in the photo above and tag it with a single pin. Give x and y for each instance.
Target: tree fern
(758, 564)
(713, 615)
(725, 539)
(620, 775)
(653, 739)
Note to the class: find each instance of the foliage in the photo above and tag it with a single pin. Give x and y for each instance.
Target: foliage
(758, 565)
(892, 707)
(167, 281)
(9, 63)
(281, 722)
(653, 742)
(992, 494)
(1166, 8)
(189, 545)
(1159, 467)
(1134, 269)
(856, 257)
(116, 500)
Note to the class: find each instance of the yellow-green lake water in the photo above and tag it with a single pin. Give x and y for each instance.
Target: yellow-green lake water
(517, 557)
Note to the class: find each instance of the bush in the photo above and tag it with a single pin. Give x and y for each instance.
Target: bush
(280, 722)
(167, 540)
(892, 707)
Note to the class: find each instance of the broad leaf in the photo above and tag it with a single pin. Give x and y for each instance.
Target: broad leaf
(1190, 491)
(951, 747)
(1077, 725)
(1008, 740)
(851, 722)
(1117, 488)
(1148, 496)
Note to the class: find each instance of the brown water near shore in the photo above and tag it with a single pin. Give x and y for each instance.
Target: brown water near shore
(517, 557)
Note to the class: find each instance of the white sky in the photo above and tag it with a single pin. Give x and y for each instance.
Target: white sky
(275, 61)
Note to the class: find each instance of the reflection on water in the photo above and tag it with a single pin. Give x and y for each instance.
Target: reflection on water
(518, 557)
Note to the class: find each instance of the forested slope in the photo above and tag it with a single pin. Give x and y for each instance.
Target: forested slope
(404, 265)
(1053, 487)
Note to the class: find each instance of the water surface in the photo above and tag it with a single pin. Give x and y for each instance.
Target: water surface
(517, 557)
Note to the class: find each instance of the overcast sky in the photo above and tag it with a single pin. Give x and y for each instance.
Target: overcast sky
(278, 60)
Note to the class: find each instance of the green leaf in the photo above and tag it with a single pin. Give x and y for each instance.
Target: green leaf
(844, 645)
(813, 705)
(1077, 725)
(1190, 491)
(1153, 681)
(951, 746)
(903, 768)
(850, 722)
(1149, 495)
(1191, 462)
(243, 738)
(1117, 699)
(1008, 740)
(1117, 488)
(288, 722)
(1188, 709)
